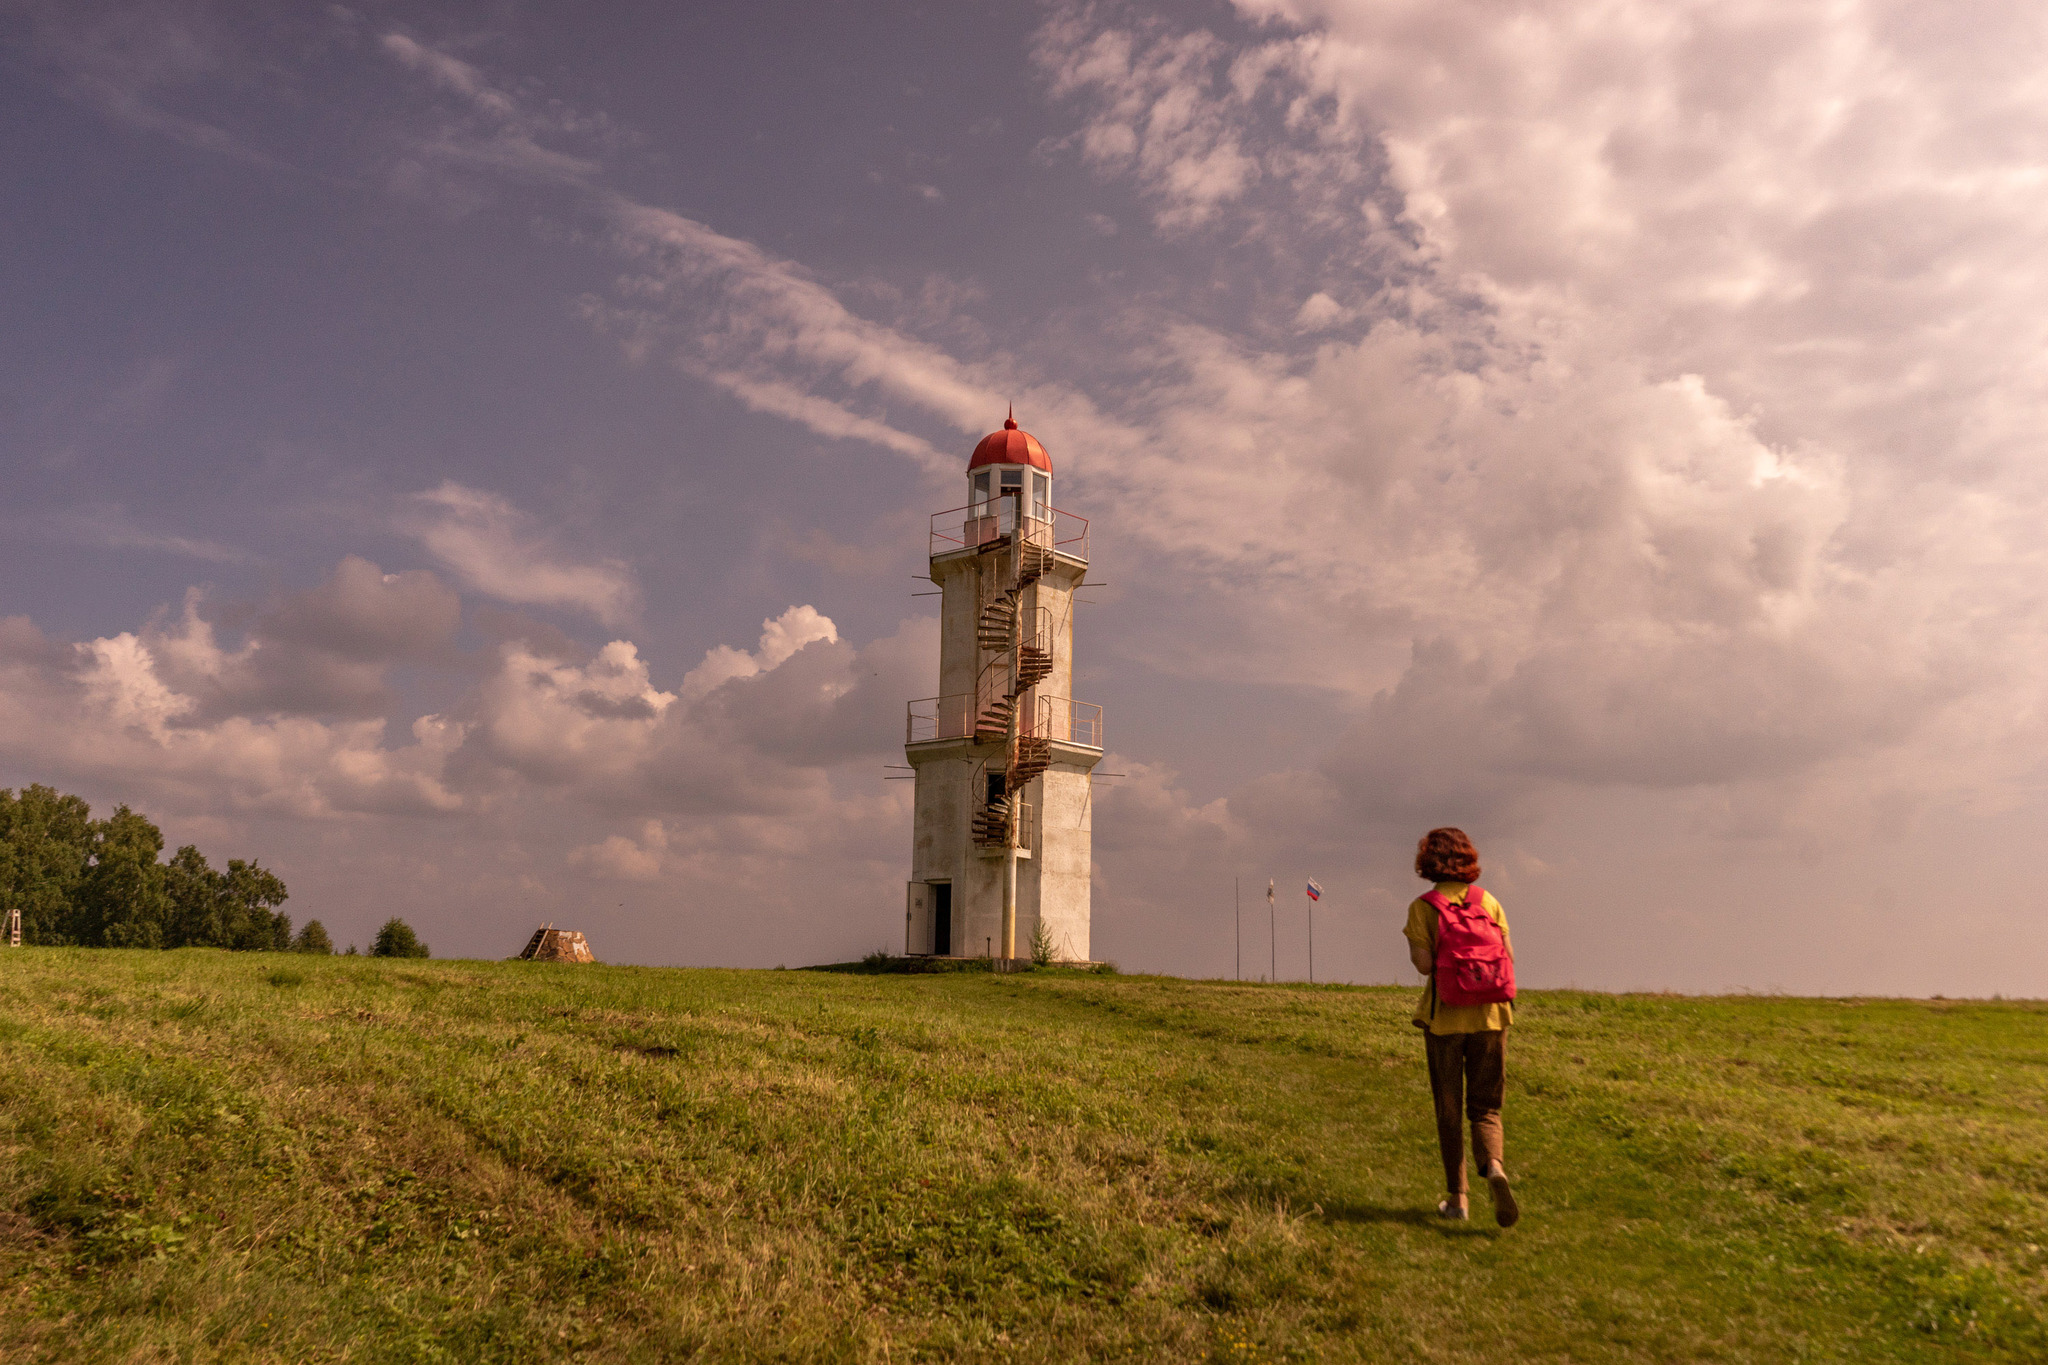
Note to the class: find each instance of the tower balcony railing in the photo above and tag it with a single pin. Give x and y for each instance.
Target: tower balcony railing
(939, 718)
(984, 525)
(1060, 719)
(1072, 722)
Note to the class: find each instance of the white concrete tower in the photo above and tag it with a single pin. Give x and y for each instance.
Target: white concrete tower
(1003, 754)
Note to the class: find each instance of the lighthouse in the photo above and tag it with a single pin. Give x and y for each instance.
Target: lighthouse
(999, 857)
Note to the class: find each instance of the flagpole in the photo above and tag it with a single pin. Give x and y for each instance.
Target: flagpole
(1311, 940)
(1237, 905)
(1272, 934)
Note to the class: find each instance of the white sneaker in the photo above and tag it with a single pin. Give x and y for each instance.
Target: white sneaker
(1506, 1211)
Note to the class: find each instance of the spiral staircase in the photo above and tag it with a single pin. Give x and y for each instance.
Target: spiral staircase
(1018, 643)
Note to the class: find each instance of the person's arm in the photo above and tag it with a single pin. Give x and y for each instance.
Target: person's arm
(1420, 933)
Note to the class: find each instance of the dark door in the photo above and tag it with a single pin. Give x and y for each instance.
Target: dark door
(942, 919)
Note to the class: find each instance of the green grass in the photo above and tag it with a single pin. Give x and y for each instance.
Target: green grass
(255, 1157)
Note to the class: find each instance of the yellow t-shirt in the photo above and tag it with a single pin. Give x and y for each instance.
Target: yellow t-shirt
(1421, 934)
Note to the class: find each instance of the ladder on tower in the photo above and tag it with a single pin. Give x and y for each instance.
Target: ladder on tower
(14, 927)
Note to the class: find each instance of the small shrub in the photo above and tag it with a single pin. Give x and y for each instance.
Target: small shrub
(1041, 945)
(1104, 969)
(396, 939)
(312, 938)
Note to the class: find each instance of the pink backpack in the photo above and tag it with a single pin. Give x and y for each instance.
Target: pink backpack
(1472, 962)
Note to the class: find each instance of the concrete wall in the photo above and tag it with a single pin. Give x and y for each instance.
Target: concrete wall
(1064, 861)
(1053, 880)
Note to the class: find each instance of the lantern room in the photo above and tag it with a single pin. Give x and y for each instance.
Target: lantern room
(1009, 463)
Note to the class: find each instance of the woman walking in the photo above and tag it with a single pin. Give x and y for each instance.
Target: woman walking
(1458, 935)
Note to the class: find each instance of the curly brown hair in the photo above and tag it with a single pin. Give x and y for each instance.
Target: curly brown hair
(1446, 855)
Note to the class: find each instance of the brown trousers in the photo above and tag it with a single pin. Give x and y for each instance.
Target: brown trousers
(1467, 1071)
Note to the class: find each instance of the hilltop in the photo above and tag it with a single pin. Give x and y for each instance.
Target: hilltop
(270, 1156)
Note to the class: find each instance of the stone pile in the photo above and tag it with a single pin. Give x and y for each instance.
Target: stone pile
(550, 944)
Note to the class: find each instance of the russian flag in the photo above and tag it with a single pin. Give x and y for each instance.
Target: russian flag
(1315, 893)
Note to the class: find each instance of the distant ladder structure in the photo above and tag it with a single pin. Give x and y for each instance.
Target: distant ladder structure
(550, 944)
(14, 927)
(533, 944)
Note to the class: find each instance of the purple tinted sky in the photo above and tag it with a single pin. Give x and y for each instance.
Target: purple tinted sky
(476, 458)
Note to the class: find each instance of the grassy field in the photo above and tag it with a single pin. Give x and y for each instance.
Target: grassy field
(271, 1157)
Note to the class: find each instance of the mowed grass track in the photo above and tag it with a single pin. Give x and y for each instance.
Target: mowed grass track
(269, 1157)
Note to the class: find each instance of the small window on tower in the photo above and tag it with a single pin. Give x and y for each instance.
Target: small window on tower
(1039, 487)
(1013, 478)
(981, 486)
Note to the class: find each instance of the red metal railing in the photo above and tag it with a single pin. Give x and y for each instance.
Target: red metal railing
(981, 525)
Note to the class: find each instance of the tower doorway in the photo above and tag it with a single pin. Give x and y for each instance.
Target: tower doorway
(942, 919)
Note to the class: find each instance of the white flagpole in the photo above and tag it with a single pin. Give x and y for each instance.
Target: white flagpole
(1272, 933)
(1311, 939)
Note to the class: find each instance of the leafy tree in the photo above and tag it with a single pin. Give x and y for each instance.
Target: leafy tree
(45, 842)
(197, 916)
(312, 938)
(396, 939)
(250, 892)
(120, 902)
(97, 883)
(231, 909)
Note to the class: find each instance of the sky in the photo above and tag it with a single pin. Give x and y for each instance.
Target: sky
(476, 460)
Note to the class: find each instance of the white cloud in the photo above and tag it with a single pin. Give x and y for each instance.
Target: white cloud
(501, 551)
(554, 722)
(542, 765)
(1319, 313)
(619, 858)
(108, 712)
(781, 636)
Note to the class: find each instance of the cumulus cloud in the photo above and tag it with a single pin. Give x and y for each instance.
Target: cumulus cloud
(496, 549)
(781, 636)
(623, 858)
(1649, 577)
(111, 712)
(754, 758)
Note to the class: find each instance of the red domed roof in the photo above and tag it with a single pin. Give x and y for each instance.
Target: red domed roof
(1010, 446)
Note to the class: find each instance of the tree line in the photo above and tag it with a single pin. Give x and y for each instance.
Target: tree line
(98, 884)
